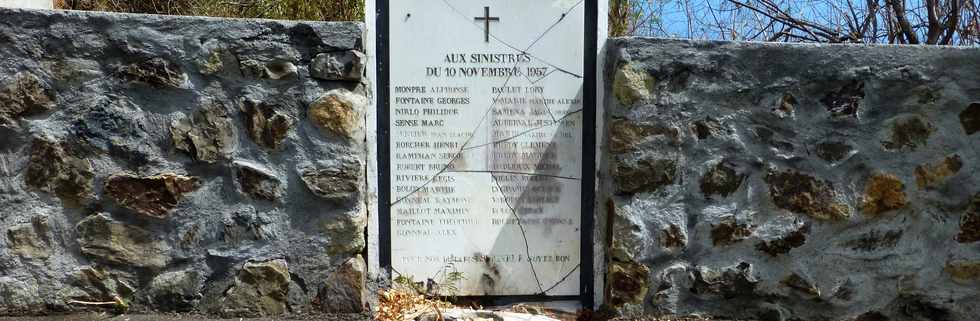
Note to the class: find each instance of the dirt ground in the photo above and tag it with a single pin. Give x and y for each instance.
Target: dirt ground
(182, 317)
(334, 317)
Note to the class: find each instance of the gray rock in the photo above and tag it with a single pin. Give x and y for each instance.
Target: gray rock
(23, 95)
(343, 65)
(339, 181)
(177, 291)
(261, 289)
(344, 290)
(345, 235)
(117, 243)
(275, 70)
(267, 125)
(19, 297)
(156, 72)
(31, 240)
(208, 135)
(257, 181)
(93, 284)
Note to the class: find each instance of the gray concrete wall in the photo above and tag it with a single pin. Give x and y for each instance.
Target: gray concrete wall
(180, 164)
(793, 182)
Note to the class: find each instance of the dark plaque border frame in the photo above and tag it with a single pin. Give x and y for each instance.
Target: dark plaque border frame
(587, 289)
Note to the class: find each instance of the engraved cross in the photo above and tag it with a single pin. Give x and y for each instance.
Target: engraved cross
(486, 18)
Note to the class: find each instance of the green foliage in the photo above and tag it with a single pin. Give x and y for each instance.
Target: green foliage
(409, 283)
(444, 284)
(318, 10)
(449, 282)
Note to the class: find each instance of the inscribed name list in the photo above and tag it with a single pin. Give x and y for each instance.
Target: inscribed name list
(486, 145)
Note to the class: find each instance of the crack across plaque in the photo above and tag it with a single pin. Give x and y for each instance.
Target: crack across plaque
(494, 173)
(493, 104)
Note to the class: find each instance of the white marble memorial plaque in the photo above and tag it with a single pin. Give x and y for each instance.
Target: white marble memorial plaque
(485, 124)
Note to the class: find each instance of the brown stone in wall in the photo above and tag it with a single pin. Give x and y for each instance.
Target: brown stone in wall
(874, 240)
(265, 124)
(786, 106)
(963, 270)
(54, 170)
(833, 151)
(786, 243)
(152, 196)
(261, 289)
(930, 176)
(24, 95)
(207, 136)
(846, 100)
(632, 85)
(882, 193)
(624, 135)
(731, 282)
(729, 232)
(335, 114)
(628, 283)
(343, 291)
(970, 222)
(707, 128)
(644, 175)
(257, 181)
(970, 119)
(908, 133)
(156, 72)
(673, 237)
(721, 180)
(335, 182)
(803, 194)
(796, 282)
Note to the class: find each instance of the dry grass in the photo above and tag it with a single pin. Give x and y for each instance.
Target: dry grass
(399, 304)
(318, 10)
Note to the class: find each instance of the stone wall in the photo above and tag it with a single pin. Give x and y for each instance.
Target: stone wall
(793, 182)
(180, 164)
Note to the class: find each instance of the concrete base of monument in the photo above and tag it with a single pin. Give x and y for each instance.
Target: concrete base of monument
(484, 315)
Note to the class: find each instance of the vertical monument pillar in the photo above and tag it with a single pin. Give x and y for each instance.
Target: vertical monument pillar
(486, 149)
